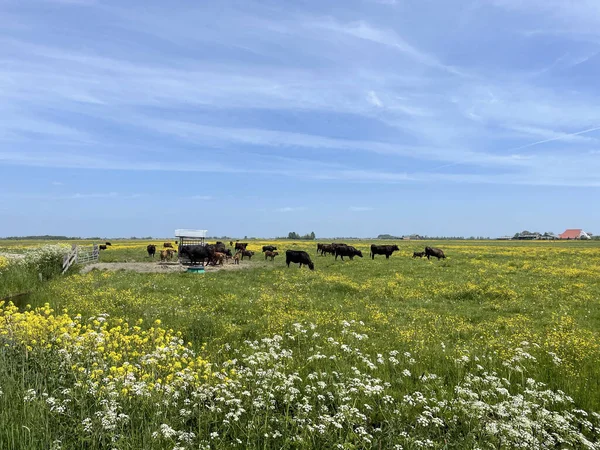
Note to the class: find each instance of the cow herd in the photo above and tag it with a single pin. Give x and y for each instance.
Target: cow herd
(217, 254)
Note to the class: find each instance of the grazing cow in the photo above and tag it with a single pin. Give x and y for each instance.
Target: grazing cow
(236, 258)
(269, 248)
(107, 243)
(327, 248)
(102, 247)
(418, 254)
(298, 257)
(386, 250)
(241, 245)
(338, 244)
(170, 253)
(435, 252)
(167, 245)
(231, 243)
(348, 251)
(319, 249)
(151, 249)
(220, 257)
(195, 253)
(218, 247)
(247, 253)
(271, 254)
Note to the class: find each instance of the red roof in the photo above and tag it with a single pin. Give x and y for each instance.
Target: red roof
(571, 234)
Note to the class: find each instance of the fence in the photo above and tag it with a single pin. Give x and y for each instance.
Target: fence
(80, 255)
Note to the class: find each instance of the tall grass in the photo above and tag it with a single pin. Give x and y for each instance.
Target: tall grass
(28, 271)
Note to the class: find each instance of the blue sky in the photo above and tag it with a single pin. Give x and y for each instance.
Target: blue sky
(256, 118)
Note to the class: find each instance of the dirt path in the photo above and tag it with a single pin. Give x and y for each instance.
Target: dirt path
(143, 267)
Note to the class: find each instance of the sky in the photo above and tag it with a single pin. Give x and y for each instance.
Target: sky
(257, 118)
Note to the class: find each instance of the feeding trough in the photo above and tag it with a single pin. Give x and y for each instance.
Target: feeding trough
(190, 237)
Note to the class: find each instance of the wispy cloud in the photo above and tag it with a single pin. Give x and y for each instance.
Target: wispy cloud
(360, 208)
(74, 196)
(291, 209)
(386, 37)
(372, 97)
(201, 197)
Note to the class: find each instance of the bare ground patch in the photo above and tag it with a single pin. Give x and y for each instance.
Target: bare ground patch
(157, 267)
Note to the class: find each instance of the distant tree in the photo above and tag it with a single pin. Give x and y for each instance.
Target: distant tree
(312, 236)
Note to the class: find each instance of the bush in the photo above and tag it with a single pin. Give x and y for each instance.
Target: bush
(21, 274)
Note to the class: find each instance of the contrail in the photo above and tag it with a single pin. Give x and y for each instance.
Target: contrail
(558, 138)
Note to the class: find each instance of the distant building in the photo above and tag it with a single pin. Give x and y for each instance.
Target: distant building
(549, 236)
(504, 238)
(574, 233)
(528, 236)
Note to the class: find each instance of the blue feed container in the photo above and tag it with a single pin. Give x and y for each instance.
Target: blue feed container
(196, 269)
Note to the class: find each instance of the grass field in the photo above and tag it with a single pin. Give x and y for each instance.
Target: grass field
(495, 347)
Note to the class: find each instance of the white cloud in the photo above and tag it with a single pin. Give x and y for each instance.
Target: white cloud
(360, 208)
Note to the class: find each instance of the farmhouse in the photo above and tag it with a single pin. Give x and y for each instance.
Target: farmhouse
(574, 233)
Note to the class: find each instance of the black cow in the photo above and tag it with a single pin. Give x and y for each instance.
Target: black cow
(151, 249)
(327, 248)
(319, 249)
(338, 244)
(102, 247)
(218, 247)
(269, 248)
(386, 250)
(107, 243)
(241, 245)
(213, 249)
(435, 252)
(418, 254)
(346, 250)
(298, 257)
(247, 253)
(195, 253)
(231, 243)
(167, 245)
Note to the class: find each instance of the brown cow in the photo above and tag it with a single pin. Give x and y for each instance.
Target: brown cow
(236, 258)
(167, 245)
(163, 255)
(220, 257)
(170, 253)
(271, 254)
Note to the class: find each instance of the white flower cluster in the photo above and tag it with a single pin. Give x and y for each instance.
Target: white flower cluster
(311, 391)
